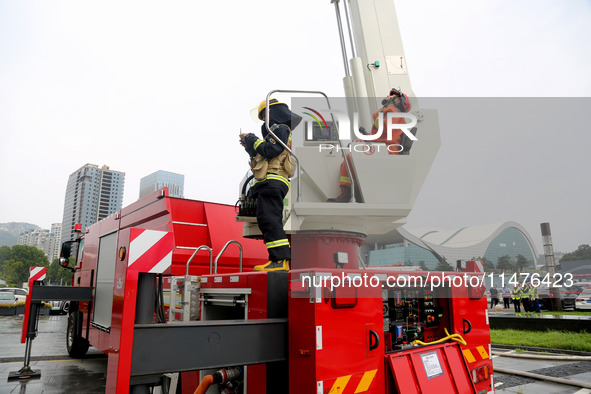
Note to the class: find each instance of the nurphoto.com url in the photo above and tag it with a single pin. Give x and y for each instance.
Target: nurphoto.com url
(434, 280)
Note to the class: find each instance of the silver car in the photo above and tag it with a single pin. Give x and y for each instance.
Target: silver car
(19, 294)
(7, 298)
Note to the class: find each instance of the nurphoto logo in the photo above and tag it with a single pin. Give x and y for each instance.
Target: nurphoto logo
(347, 129)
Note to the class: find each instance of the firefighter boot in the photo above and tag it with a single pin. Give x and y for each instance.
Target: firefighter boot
(345, 195)
(281, 265)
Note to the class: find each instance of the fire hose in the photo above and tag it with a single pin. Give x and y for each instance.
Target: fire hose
(223, 376)
(539, 376)
(453, 337)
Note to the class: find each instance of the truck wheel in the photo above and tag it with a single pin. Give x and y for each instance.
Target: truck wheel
(76, 345)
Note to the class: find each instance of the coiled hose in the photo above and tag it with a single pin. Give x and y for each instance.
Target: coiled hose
(453, 337)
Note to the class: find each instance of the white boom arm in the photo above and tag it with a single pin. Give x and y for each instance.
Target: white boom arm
(389, 184)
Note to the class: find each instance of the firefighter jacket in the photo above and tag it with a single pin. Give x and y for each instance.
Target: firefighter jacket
(268, 156)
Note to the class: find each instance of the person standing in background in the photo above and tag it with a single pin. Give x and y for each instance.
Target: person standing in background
(506, 297)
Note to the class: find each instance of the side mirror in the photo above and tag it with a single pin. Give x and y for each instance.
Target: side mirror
(65, 255)
(65, 252)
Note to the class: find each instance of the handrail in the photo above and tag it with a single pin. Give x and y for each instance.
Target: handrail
(215, 270)
(267, 112)
(202, 247)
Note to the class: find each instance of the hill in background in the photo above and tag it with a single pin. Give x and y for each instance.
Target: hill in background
(9, 232)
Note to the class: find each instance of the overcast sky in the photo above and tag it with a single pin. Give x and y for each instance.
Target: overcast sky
(144, 86)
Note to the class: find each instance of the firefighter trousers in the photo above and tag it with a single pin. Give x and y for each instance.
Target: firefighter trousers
(270, 194)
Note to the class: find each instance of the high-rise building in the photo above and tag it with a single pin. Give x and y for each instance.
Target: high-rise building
(56, 231)
(47, 241)
(41, 239)
(92, 194)
(159, 179)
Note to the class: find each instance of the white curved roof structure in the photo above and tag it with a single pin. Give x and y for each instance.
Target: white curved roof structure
(488, 240)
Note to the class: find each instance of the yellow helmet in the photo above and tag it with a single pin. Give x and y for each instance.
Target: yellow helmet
(261, 107)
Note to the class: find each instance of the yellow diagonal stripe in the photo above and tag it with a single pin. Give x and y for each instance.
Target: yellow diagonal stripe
(468, 355)
(339, 385)
(366, 380)
(482, 352)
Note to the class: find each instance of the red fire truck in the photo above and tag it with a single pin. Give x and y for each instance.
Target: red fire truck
(165, 287)
(317, 328)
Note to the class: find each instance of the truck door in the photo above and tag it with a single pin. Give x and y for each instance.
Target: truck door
(105, 276)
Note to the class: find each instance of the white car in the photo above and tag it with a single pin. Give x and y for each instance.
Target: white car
(583, 301)
(19, 294)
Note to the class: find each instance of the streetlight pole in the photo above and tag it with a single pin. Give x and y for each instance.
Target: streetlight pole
(550, 266)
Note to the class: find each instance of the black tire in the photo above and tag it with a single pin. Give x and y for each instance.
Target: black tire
(76, 345)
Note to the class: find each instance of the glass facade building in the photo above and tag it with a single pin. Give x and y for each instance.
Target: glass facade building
(159, 179)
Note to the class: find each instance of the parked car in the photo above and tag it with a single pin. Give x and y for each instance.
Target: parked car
(19, 294)
(59, 307)
(583, 301)
(567, 294)
(7, 298)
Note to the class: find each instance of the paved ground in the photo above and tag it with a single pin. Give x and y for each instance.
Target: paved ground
(61, 374)
(579, 371)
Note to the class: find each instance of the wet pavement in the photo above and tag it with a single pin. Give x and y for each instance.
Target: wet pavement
(577, 371)
(59, 372)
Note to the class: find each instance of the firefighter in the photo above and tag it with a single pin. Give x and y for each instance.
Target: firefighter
(396, 101)
(271, 166)
(516, 296)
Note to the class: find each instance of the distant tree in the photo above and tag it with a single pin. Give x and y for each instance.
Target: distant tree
(443, 266)
(15, 273)
(30, 255)
(522, 262)
(5, 254)
(15, 263)
(583, 252)
(59, 275)
(504, 263)
(486, 263)
(423, 266)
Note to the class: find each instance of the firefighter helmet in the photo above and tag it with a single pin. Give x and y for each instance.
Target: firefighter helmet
(405, 102)
(258, 112)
